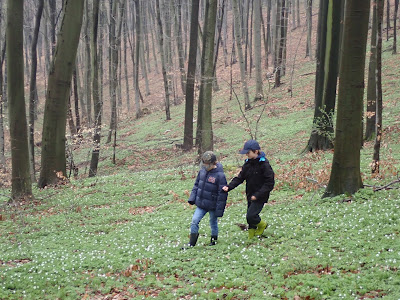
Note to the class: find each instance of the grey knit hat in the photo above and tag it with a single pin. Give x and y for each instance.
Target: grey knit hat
(208, 157)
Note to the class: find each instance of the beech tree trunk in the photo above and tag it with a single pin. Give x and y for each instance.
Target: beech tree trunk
(191, 73)
(345, 175)
(204, 131)
(326, 76)
(53, 164)
(163, 61)
(21, 184)
(257, 50)
(238, 39)
(32, 88)
(379, 104)
(97, 101)
(371, 89)
(396, 10)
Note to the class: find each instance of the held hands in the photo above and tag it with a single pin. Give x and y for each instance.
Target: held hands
(253, 198)
(225, 189)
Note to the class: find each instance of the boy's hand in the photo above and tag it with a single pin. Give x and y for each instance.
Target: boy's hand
(253, 198)
(225, 188)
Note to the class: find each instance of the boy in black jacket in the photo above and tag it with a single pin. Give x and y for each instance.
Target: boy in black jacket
(260, 181)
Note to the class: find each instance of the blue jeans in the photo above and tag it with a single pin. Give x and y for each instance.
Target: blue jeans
(199, 213)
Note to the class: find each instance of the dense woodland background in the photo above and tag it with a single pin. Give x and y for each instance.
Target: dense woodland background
(136, 57)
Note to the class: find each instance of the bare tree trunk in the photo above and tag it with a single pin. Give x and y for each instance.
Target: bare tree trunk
(2, 156)
(33, 88)
(76, 100)
(191, 73)
(53, 164)
(379, 106)
(87, 70)
(370, 124)
(124, 34)
(163, 61)
(137, 59)
(280, 41)
(204, 131)
(388, 27)
(345, 175)
(115, 32)
(52, 19)
(396, 9)
(97, 103)
(257, 50)
(240, 54)
(20, 177)
(179, 44)
(309, 28)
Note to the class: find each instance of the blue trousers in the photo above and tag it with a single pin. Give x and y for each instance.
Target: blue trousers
(199, 213)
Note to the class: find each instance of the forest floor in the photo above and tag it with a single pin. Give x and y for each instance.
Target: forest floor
(119, 235)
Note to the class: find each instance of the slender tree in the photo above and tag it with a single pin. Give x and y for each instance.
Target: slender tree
(371, 89)
(54, 123)
(179, 43)
(97, 101)
(345, 175)
(191, 73)
(238, 39)
(378, 124)
(396, 10)
(2, 55)
(163, 61)
(204, 129)
(87, 66)
(257, 50)
(20, 177)
(326, 75)
(137, 58)
(309, 27)
(32, 87)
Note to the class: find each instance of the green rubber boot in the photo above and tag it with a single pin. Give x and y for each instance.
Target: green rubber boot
(260, 228)
(252, 233)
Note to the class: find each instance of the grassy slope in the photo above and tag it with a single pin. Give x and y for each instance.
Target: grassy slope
(121, 233)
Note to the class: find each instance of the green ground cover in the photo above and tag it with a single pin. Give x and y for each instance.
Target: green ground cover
(120, 234)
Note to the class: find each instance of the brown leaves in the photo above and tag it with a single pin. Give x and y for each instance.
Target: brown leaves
(141, 265)
(141, 210)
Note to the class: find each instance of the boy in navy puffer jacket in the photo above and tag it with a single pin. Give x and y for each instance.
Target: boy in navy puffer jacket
(208, 196)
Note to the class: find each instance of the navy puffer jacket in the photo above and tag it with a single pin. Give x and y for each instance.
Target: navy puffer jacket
(207, 191)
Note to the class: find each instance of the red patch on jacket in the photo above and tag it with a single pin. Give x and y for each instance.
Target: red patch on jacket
(211, 179)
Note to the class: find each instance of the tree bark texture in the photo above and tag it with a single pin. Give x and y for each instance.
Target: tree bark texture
(379, 100)
(257, 50)
(97, 101)
(371, 89)
(326, 78)
(205, 96)
(238, 38)
(345, 175)
(33, 89)
(191, 74)
(54, 123)
(163, 62)
(20, 177)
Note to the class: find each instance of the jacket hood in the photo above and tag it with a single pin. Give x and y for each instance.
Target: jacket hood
(260, 157)
(219, 168)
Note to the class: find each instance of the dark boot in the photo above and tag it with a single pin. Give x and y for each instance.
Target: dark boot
(192, 241)
(213, 241)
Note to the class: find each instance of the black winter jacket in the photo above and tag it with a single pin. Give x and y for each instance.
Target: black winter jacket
(207, 191)
(259, 178)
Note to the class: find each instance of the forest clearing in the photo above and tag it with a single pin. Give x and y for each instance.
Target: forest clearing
(116, 231)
